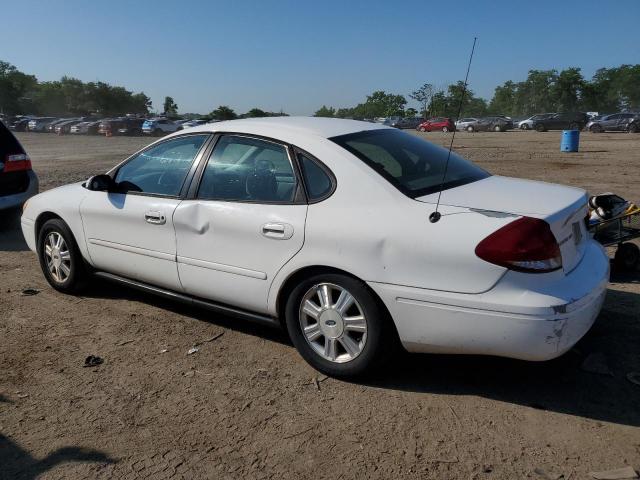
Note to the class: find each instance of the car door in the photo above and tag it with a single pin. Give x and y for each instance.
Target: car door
(243, 221)
(129, 230)
(610, 122)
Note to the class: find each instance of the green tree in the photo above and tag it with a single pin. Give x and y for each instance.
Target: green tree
(503, 101)
(16, 89)
(423, 96)
(410, 112)
(256, 113)
(223, 112)
(325, 111)
(567, 89)
(170, 107)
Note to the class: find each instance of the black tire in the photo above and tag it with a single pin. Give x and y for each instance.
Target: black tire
(381, 337)
(627, 257)
(422, 129)
(633, 128)
(574, 126)
(595, 129)
(445, 129)
(470, 129)
(524, 126)
(157, 132)
(497, 128)
(540, 128)
(76, 279)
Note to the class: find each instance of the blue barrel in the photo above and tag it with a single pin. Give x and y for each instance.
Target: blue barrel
(570, 141)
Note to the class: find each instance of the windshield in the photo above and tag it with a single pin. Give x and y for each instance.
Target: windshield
(414, 166)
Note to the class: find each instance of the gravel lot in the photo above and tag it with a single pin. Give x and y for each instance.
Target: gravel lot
(247, 406)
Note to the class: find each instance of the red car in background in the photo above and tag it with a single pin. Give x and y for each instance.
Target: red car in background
(437, 123)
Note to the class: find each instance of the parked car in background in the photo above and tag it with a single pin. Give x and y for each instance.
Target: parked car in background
(64, 127)
(19, 124)
(618, 122)
(488, 124)
(51, 127)
(279, 220)
(463, 123)
(159, 126)
(41, 123)
(131, 126)
(443, 124)
(85, 128)
(410, 122)
(18, 182)
(527, 124)
(561, 121)
(110, 126)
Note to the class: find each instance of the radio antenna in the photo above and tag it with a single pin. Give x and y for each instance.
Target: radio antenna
(435, 216)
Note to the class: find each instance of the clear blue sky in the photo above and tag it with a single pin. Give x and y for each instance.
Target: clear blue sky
(298, 55)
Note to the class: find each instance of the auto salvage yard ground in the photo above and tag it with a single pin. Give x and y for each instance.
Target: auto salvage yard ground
(247, 406)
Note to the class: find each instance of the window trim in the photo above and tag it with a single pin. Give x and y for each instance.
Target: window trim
(323, 167)
(187, 180)
(299, 197)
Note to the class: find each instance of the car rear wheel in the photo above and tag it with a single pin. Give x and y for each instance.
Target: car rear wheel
(633, 128)
(540, 128)
(497, 128)
(422, 129)
(60, 258)
(157, 132)
(524, 126)
(470, 128)
(627, 257)
(337, 325)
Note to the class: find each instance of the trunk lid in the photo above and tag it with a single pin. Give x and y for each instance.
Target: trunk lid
(563, 208)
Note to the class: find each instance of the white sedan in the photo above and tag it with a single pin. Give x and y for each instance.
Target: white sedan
(323, 226)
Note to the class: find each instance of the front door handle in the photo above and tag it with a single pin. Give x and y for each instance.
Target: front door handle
(279, 231)
(156, 218)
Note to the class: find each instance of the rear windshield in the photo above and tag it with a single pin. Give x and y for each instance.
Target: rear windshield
(414, 166)
(8, 143)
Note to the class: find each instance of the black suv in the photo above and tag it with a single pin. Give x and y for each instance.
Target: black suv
(561, 121)
(18, 182)
(495, 124)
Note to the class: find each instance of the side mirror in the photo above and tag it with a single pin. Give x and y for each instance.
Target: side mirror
(100, 183)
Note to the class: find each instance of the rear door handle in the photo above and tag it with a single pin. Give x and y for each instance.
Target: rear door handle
(279, 231)
(156, 218)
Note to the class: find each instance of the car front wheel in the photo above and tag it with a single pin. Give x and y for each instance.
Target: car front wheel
(60, 258)
(445, 129)
(470, 128)
(337, 325)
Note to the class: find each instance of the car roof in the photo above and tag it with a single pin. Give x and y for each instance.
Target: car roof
(288, 127)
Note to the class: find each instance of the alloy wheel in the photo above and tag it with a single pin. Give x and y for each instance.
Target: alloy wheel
(333, 322)
(57, 256)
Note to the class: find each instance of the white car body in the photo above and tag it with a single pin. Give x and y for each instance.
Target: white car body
(441, 296)
(159, 125)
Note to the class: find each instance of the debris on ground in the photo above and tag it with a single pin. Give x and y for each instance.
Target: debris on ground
(634, 377)
(596, 363)
(164, 350)
(19, 394)
(189, 373)
(208, 340)
(542, 473)
(623, 473)
(192, 350)
(317, 380)
(93, 361)
(124, 342)
(28, 292)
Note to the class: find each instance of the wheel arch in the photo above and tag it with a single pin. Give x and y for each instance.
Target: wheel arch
(47, 215)
(301, 273)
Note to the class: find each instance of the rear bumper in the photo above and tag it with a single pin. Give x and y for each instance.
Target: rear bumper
(16, 200)
(524, 316)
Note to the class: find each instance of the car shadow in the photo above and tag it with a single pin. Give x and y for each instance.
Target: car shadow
(11, 238)
(17, 463)
(564, 385)
(104, 289)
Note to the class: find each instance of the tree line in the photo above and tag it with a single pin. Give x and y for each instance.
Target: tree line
(609, 90)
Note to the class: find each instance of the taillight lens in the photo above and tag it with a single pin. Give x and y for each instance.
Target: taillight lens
(525, 245)
(17, 162)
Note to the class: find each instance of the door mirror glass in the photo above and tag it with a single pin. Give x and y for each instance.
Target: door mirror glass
(99, 183)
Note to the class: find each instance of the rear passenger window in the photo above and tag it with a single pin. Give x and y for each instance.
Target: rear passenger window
(316, 179)
(248, 169)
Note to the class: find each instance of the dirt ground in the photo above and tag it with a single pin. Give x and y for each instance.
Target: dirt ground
(247, 406)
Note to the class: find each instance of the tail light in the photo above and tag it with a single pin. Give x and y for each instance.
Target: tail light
(524, 245)
(17, 162)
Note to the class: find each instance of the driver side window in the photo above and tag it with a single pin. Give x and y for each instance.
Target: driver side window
(161, 169)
